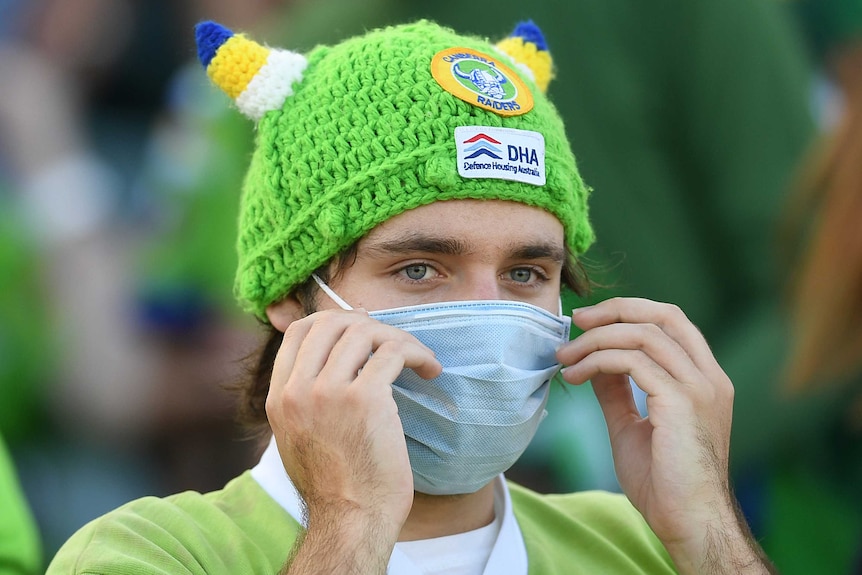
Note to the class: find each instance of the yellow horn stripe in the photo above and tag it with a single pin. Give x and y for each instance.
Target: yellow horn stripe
(539, 61)
(236, 63)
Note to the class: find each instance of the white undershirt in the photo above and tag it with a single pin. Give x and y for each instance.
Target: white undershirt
(497, 548)
(461, 554)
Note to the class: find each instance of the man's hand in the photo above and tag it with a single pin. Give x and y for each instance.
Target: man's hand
(337, 428)
(672, 465)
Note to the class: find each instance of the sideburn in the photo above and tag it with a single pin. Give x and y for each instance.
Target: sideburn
(251, 409)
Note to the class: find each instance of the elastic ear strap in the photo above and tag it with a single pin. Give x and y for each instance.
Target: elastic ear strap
(332, 295)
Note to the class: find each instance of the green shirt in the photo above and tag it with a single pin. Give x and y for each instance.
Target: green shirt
(241, 529)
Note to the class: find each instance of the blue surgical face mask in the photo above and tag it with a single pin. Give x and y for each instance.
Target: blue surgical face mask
(473, 421)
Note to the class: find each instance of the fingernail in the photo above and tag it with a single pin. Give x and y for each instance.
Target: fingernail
(578, 310)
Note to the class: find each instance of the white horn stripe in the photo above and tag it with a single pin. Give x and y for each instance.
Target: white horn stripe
(519, 65)
(272, 84)
(525, 69)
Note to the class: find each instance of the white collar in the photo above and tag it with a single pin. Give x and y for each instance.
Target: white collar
(508, 557)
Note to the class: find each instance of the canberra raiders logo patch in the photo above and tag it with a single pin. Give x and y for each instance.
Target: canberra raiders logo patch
(481, 80)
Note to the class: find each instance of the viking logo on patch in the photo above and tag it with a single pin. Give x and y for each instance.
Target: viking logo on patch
(481, 80)
(486, 80)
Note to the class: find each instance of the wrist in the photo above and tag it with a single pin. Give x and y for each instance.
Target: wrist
(343, 539)
(348, 522)
(724, 545)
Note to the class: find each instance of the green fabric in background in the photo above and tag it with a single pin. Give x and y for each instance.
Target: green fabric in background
(810, 529)
(20, 549)
(26, 356)
(194, 179)
(829, 24)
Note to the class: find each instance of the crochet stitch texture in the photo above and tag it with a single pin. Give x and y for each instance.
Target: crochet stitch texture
(368, 134)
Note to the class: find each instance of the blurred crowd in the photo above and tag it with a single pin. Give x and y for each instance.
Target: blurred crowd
(111, 374)
(723, 141)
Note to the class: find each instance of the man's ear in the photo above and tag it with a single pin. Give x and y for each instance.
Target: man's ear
(283, 313)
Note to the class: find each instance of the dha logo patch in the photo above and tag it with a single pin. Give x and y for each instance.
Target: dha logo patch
(501, 153)
(481, 80)
(482, 145)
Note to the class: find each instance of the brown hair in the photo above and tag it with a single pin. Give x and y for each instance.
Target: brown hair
(252, 392)
(826, 280)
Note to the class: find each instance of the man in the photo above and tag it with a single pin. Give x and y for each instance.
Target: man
(410, 214)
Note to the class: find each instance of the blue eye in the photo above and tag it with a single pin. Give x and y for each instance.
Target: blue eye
(416, 271)
(521, 275)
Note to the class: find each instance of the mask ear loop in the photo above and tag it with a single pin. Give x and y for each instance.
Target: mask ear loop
(336, 298)
(344, 305)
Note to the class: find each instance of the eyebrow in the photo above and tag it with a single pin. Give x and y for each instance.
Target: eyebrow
(415, 242)
(538, 251)
(420, 243)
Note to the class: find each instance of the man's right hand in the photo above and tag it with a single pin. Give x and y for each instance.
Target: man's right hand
(337, 428)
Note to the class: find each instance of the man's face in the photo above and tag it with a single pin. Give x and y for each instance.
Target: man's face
(456, 250)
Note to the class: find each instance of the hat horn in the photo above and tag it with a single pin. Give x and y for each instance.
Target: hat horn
(526, 45)
(257, 78)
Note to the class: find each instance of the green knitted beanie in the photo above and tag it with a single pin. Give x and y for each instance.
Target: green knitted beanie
(351, 135)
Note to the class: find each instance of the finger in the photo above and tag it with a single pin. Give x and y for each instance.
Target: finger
(387, 363)
(615, 397)
(651, 377)
(377, 340)
(668, 317)
(285, 358)
(646, 337)
(349, 338)
(312, 339)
